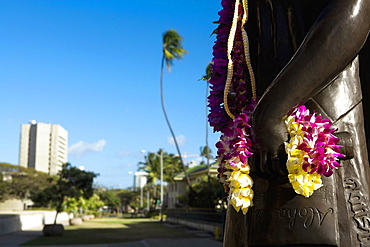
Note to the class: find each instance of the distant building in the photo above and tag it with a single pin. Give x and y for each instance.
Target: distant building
(179, 187)
(43, 147)
(140, 180)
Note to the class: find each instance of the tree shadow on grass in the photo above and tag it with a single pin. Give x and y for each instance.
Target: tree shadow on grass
(111, 232)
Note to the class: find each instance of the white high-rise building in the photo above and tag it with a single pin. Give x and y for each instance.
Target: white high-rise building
(43, 147)
(140, 180)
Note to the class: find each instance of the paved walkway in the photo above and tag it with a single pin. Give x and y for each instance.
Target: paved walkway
(17, 238)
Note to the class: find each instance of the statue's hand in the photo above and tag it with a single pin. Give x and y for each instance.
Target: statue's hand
(269, 135)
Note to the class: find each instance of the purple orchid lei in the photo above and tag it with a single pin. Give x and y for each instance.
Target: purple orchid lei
(240, 101)
(234, 147)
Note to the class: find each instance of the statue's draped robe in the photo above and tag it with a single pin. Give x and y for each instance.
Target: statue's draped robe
(338, 214)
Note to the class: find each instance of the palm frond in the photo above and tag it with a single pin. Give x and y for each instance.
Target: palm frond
(172, 47)
(208, 74)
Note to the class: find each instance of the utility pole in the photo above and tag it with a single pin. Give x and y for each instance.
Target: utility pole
(161, 205)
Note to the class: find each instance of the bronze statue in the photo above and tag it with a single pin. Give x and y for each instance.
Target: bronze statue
(306, 51)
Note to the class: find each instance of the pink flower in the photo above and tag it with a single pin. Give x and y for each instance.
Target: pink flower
(319, 143)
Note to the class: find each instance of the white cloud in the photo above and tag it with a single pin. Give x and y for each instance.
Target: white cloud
(81, 147)
(180, 140)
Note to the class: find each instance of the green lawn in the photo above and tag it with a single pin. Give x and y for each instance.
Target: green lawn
(111, 230)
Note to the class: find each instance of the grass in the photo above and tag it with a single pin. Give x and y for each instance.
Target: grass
(111, 230)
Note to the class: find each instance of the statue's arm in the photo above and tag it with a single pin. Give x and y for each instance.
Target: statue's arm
(332, 43)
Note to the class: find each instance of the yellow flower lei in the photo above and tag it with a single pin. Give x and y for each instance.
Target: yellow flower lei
(303, 182)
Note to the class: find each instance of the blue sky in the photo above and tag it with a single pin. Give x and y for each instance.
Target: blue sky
(93, 67)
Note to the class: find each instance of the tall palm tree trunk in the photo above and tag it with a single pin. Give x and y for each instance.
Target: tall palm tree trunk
(208, 167)
(169, 125)
(206, 78)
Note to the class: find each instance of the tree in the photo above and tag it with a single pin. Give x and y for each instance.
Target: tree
(172, 49)
(82, 205)
(20, 182)
(208, 193)
(94, 203)
(71, 205)
(72, 183)
(3, 188)
(172, 166)
(110, 198)
(129, 199)
(152, 166)
(24, 185)
(206, 151)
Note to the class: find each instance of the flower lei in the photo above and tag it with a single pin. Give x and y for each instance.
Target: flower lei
(234, 149)
(312, 149)
(231, 73)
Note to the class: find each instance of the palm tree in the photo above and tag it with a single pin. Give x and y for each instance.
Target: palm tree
(152, 166)
(172, 49)
(205, 152)
(171, 166)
